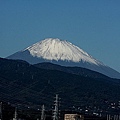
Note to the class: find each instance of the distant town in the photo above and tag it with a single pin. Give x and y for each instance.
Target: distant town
(9, 112)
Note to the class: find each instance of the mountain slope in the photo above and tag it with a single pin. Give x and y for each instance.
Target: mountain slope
(73, 70)
(62, 53)
(26, 85)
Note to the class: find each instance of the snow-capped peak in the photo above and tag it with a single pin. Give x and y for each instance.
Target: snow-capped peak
(63, 53)
(56, 49)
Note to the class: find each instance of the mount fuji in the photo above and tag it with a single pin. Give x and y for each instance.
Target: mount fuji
(62, 53)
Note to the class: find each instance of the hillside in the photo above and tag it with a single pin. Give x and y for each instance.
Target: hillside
(27, 85)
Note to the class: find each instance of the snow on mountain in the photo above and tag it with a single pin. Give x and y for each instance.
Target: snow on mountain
(55, 49)
(62, 53)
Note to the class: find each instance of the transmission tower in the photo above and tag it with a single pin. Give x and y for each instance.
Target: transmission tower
(56, 109)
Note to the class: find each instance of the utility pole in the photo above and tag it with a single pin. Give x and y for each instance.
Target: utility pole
(43, 113)
(108, 117)
(56, 110)
(117, 117)
(114, 117)
(0, 110)
(15, 115)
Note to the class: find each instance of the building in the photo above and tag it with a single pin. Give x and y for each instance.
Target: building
(73, 117)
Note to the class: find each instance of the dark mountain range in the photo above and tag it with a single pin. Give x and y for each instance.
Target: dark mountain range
(73, 70)
(25, 85)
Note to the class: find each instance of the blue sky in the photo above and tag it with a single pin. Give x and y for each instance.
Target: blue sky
(93, 25)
